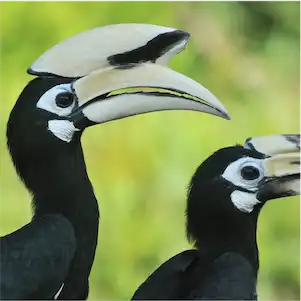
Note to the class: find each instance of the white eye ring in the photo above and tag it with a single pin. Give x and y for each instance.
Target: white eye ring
(233, 173)
(251, 172)
(48, 100)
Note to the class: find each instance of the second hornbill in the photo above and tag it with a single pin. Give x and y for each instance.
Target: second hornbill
(225, 197)
(97, 76)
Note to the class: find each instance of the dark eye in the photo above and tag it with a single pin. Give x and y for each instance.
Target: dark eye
(64, 99)
(250, 172)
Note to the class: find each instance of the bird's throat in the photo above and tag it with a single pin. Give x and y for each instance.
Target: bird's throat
(213, 240)
(60, 185)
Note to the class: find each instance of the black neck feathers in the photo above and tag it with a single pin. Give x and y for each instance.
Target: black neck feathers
(58, 182)
(217, 227)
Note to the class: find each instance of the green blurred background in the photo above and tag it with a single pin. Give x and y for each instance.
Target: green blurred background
(246, 53)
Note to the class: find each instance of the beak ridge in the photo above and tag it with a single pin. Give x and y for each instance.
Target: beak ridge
(116, 93)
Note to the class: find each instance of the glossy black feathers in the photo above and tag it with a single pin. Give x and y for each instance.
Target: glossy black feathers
(225, 263)
(186, 276)
(168, 281)
(55, 173)
(35, 259)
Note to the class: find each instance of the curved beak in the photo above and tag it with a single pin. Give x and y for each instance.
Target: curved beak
(116, 93)
(281, 167)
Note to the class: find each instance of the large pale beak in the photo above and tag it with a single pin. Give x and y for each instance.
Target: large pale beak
(274, 144)
(281, 167)
(111, 45)
(116, 93)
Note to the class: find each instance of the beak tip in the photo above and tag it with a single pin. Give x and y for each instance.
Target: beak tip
(227, 116)
(186, 35)
(224, 114)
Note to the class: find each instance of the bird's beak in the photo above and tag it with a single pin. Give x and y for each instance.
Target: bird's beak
(281, 167)
(120, 70)
(115, 92)
(111, 45)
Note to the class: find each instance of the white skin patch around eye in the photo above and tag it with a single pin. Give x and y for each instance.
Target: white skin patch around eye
(47, 100)
(63, 129)
(233, 173)
(244, 201)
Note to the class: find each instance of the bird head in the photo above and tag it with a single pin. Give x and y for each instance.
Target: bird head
(232, 185)
(97, 76)
(101, 75)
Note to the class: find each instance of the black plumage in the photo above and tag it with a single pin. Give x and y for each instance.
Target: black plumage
(65, 220)
(225, 263)
(78, 87)
(35, 259)
(188, 276)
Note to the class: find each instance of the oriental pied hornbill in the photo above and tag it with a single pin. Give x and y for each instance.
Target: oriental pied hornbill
(97, 76)
(225, 197)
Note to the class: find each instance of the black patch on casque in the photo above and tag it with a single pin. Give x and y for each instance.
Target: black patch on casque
(294, 139)
(151, 51)
(249, 144)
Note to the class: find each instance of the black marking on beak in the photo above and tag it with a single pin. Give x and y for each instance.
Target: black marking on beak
(295, 139)
(250, 145)
(109, 95)
(80, 121)
(271, 188)
(151, 51)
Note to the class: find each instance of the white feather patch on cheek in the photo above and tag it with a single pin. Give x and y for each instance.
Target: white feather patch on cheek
(244, 201)
(63, 129)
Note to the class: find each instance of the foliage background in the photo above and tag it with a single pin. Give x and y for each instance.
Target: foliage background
(246, 53)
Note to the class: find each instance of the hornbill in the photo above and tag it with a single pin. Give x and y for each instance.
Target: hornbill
(100, 75)
(225, 197)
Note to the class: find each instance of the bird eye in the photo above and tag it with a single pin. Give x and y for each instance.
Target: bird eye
(250, 172)
(64, 99)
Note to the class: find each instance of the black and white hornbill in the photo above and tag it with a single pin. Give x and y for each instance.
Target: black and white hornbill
(94, 77)
(225, 197)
